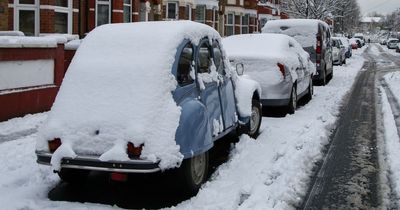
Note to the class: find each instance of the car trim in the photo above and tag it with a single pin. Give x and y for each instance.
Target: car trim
(93, 163)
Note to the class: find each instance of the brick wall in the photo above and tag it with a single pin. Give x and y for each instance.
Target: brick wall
(4, 15)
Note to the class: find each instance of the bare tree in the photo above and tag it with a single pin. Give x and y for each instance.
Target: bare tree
(346, 13)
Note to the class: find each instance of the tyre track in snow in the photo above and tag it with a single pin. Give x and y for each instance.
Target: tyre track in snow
(348, 176)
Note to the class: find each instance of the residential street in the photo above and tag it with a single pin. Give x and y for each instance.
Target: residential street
(340, 157)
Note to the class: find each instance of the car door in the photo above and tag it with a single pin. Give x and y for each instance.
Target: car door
(208, 82)
(228, 103)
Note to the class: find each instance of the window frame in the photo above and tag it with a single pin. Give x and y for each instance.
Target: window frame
(245, 25)
(27, 7)
(130, 10)
(188, 11)
(230, 24)
(103, 2)
(204, 13)
(66, 10)
(176, 10)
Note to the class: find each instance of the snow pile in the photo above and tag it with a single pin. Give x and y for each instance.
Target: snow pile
(16, 127)
(261, 53)
(12, 33)
(118, 90)
(303, 30)
(73, 45)
(27, 42)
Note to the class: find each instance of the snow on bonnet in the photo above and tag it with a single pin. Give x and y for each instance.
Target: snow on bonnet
(118, 89)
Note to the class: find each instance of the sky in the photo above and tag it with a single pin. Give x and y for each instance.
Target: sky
(380, 6)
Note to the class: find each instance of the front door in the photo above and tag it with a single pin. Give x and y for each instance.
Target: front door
(208, 82)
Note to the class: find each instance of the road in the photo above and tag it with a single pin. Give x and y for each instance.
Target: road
(349, 176)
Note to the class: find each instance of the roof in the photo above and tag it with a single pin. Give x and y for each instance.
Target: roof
(371, 19)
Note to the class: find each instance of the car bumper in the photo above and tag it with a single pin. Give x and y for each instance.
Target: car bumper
(94, 164)
(275, 102)
(278, 94)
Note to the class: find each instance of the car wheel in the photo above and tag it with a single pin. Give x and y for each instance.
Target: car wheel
(193, 172)
(293, 101)
(310, 91)
(73, 176)
(344, 61)
(255, 119)
(324, 78)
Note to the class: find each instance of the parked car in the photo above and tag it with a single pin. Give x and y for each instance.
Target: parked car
(148, 105)
(357, 41)
(315, 38)
(353, 43)
(278, 62)
(339, 52)
(398, 47)
(392, 43)
(348, 47)
(361, 37)
(383, 42)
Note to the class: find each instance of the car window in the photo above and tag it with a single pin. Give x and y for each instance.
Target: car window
(204, 58)
(184, 66)
(218, 59)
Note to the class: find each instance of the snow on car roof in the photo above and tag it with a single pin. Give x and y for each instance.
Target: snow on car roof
(303, 30)
(119, 85)
(262, 46)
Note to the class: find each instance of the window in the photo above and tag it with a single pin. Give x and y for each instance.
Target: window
(26, 17)
(230, 25)
(127, 11)
(204, 58)
(201, 13)
(245, 24)
(103, 12)
(143, 13)
(63, 16)
(185, 66)
(218, 59)
(188, 12)
(172, 10)
(214, 17)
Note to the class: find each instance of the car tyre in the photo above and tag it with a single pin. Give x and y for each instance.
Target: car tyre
(310, 90)
(193, 172)
(73, 176)
(291, 109)
(344, 61)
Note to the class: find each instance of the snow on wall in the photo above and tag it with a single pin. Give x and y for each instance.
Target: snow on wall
(19, 74)
(27, 42)
(121, 88)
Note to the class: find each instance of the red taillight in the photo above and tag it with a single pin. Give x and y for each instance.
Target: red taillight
(319, 45)
(119, 177)
(134, 151)
(282, 69)
(54, 144)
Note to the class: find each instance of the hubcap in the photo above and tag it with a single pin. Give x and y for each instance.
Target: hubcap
(198, 168)
(254, 120)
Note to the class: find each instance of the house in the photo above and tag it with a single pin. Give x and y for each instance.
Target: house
(35, 17)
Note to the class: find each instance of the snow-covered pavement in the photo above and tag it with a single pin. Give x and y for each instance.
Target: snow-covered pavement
(272, 172)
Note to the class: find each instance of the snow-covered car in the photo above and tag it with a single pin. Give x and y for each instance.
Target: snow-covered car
(357, 41)
(361, 37)
(144, 98)
(392, 43)
(345, 41)
(315, 38)
(278, 62)
(338, 51)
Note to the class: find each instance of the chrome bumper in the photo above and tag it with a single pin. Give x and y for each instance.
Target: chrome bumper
(94, 164)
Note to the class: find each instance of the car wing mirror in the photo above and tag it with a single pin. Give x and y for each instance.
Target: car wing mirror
(240, 69)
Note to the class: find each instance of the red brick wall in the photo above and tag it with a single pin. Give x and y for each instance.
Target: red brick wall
(4, 15)
(117, 16)
(31, 101)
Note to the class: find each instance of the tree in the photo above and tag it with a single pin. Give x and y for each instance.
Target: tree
(346, 13)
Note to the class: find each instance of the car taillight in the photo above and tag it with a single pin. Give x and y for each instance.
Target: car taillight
(134, 151)
(282, 69)
(319, 45)
(54, 144)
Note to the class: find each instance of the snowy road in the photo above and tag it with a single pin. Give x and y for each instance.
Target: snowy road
(273, 172)
(355, 172)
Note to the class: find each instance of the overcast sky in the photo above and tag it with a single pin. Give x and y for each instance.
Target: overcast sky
(380, 6)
